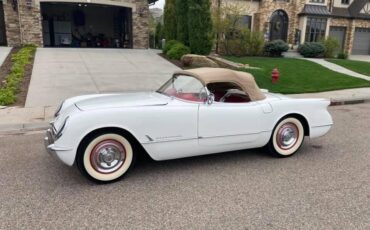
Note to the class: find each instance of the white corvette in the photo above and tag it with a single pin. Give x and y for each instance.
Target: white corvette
(197, 112)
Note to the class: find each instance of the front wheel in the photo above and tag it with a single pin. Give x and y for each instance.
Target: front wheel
(286, 138)
(105, 157)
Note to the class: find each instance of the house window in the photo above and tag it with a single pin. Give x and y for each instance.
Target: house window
(345, 2)
(315, 29)
(246, 21)
(317, 1)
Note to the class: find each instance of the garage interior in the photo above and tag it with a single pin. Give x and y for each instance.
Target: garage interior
(86, 25)
(2, 26)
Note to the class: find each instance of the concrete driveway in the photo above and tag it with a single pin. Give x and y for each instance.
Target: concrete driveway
(62, 73)
(360, 57)
(4, 52)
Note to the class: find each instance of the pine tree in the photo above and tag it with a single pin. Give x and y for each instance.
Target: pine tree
(170, 23)
(182, 21)
(200, 26)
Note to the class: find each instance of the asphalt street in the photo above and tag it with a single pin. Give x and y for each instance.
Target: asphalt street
(324, 186)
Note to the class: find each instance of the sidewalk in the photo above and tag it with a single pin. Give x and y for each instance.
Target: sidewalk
(337, 68)
(4, 52)
(14, 119)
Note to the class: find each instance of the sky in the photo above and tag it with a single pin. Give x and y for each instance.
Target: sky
(158, 4)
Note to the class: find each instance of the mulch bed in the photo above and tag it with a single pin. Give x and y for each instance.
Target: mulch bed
(175, 62)
(7, 65)
(23, 88)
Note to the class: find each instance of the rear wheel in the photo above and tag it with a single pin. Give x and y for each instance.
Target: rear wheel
(105, 157)
(286, 138)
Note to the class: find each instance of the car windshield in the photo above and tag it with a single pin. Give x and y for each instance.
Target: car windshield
(184, 87)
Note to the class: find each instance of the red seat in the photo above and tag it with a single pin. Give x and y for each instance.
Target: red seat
(188, 97)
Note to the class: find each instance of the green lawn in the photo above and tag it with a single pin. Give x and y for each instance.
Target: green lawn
(357, 66)
(297, 76)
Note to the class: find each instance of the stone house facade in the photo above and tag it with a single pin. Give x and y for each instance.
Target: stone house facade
(300, 21)
(93, 23)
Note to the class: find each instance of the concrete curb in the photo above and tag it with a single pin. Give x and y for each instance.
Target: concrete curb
(40, 126)
(335, 102)
(19, 128)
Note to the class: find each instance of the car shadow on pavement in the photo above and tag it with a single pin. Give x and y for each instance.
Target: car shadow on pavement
(146, 168)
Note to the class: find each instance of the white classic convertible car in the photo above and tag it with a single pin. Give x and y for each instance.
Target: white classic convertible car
(199, 111)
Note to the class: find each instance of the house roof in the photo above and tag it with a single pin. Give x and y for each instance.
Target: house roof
(212, 75)
(315, 10)
(152, 1)
(340, 12)
(353, 11)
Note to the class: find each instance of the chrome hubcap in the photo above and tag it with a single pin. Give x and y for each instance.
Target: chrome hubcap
(287, 136)
(108, 156)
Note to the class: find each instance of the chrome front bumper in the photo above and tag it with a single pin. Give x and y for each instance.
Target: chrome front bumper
(49, 142)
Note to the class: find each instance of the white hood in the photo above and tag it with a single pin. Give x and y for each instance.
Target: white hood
(104, 101)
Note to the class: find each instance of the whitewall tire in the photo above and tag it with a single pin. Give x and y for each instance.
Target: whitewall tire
(105, 157)
(287, 137)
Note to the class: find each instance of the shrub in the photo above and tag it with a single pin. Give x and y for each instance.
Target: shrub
(244, 43)
(7, 97)
(342, 55)
(177, 51)
(275, 48)
(255, 44)
(312, 49)
(331, 45)
(169, 45)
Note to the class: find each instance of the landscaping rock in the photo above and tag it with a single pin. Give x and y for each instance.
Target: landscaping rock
(226, 63)
(193, 60)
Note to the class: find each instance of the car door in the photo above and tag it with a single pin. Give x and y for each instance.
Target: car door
(229, 123)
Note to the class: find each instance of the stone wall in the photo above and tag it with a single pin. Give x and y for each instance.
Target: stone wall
(30, 24)
(11, 25)
(140, 25)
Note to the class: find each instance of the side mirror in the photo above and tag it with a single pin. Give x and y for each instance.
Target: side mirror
(210, 99)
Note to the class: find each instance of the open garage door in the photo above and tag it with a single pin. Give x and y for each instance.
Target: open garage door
(361, 41)
(2, 26)
(86, 25)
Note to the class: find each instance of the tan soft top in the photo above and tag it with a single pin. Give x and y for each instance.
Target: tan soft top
(211, 75)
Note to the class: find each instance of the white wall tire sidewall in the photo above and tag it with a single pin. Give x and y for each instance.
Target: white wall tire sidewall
(298, 144)
(112, 176)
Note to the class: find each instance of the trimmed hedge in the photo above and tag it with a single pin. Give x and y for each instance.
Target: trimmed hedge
(11, 87)
(177, 51)
(312, 49)
(275, 48)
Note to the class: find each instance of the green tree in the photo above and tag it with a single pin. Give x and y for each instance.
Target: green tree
(200, 26)
(170, 22)
(158, 35)
(182, 21)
